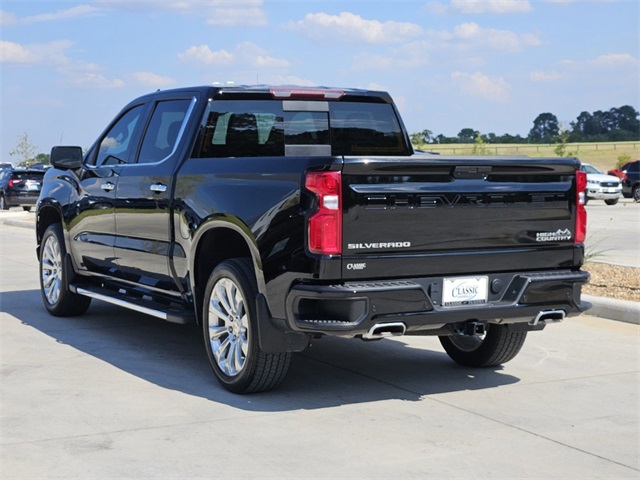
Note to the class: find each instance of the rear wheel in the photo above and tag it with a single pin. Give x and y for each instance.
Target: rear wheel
(613, 201)
(56, 275)
(498, 345)
(231, 331)
(635, 193)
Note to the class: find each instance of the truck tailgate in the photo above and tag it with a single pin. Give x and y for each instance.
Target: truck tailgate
(428, 214)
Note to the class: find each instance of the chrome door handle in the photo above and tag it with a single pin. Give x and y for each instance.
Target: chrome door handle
(158, 188)
(107, 186)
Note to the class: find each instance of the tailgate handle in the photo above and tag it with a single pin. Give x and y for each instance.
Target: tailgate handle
(467, 171)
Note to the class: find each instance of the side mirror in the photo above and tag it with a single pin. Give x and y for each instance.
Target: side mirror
(66, 158)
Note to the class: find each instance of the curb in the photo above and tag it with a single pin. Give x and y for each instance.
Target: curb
(19, 223)
(621, 310)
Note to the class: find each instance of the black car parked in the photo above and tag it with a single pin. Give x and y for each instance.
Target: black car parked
(631, 180)
(20, 187)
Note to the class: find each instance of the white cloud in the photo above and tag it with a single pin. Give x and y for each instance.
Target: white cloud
(241, 14)
(491, 6)
(85, 74)
(245, 53)
(251, 54)
(248, 13)
(610, 61)
(150, 79)
(203, 54)
(473, 36)
(352, 27)
(77, 11)
(540, 76)
(7, 19)
(53, 55)
(95, 80)
(11, 52)
(409, 56)
(614, 59)
(482, 86)
(475, 7)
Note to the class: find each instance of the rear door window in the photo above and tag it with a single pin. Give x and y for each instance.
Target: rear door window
(161, 135)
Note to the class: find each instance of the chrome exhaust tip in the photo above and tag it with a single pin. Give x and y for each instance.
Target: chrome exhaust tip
(544, 316)
(383, 330)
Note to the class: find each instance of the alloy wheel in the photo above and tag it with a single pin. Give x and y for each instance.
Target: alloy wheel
(51, 269)
(228, 327)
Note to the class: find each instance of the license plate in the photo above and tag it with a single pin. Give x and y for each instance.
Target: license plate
(611, 190)
(33, 186)
(465, 291)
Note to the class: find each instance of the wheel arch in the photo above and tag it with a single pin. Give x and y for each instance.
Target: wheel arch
(216, 241)
(48, 214)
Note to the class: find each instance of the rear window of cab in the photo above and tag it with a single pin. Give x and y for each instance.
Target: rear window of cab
(250, 128)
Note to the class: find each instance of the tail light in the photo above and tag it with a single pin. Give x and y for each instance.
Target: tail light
(325, 226)
(581, 213)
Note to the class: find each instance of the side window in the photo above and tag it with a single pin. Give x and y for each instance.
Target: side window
(162, 133)
(242, 128)
(116, 146)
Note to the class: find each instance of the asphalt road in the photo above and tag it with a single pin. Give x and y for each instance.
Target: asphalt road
(114, 394)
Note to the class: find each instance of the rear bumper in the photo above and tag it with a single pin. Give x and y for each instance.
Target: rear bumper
(21, 199)
(352, 309)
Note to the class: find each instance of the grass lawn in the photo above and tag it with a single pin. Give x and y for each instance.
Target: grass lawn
(602, 155)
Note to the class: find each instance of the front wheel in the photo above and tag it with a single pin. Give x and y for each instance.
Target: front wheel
(231, 331)
(613, 201)
(56, 275)
(498, 345)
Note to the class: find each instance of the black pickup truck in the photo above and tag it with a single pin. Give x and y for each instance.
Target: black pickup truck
(273, 216)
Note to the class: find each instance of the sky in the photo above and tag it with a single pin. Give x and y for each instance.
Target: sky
(68, 67)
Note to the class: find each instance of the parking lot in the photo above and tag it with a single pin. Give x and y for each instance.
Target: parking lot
(114, 394)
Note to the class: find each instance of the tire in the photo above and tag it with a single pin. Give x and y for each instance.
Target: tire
(586, 199)
(56, 275)
(497, 346)
(231, 331)
(26, 209)
(635, 193)
(3, 203)
(613, 201)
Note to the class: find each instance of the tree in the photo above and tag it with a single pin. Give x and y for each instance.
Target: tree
(425, 136)
(545, 128)
(626, 118)
(479, 146)
(467, 135)
(561, 147)
(25, 151)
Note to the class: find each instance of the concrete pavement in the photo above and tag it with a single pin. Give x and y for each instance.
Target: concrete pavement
(115, 394)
